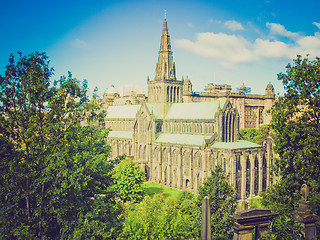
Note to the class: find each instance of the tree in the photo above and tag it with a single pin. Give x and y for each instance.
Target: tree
(283, 227)
(128, 178)
(51, 167)
(223, 203)
(156, 218)
(256, 135)
(249, 133)
(296, 121)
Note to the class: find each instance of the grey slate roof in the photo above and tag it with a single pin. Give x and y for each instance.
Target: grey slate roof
(186, 139)
(121, 134)
(194, 110)
(124, 111)
(240, 144)
(152, 107)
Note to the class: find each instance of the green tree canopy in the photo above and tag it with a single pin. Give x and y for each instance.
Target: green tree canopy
(256, 135)
(128, 178)
(156, 218)
(296, 121)
(223, 203)
(51, 167)
(285, 228)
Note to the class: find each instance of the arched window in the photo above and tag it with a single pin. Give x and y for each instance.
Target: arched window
(211, 161)
(178, 94)
(223, 162)
(175, 158)
(248, 180)
(186, 157)
(165, 156)
(238, 176)
(198, 159)
(144, 156)
(256, 176)
(156, 155)
(264, 173)
(140, 154)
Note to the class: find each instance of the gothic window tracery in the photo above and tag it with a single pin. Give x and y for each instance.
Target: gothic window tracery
(264, 173)
(211, 159)
(144, 153)
(165, 156)
(198, 160)
(256, 176)
(248, 174)
(238, 176)
(186, 157)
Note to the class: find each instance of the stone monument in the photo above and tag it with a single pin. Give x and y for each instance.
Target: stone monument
(245, 222)
(305, 216)
(206, 220)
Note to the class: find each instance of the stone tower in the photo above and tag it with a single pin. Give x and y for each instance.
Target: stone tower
(270, 90)
(165, 88)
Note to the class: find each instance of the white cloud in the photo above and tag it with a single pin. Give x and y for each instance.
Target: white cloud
(227, 48)
(233, 25)
(317, 24)
(78, 43)
(231, 50)
(272, 49)
(309, 45)
(276, 28)
(189, 24)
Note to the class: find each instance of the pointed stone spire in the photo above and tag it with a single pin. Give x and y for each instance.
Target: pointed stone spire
(165, 67)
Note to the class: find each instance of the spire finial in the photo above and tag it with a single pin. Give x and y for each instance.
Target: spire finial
(165, 14)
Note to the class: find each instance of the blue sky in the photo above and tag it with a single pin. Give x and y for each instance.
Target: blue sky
(117, 42)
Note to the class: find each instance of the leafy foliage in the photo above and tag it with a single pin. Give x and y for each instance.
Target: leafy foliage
(155, 218)
(283, 227)
(256, 135)
(222, 197)
(296, 121)
(249, 133)
(128, 178)
(51, 167)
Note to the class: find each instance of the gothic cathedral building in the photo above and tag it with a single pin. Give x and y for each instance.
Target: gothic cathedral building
(178, 141)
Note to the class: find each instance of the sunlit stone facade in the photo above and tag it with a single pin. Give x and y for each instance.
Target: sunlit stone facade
(178, 136)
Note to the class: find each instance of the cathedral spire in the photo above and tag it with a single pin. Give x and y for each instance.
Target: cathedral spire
(165, 67)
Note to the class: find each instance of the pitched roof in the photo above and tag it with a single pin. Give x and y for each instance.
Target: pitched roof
(121, 134)
(187, 139)
(235, 145)
(152, 107)
(194, 110)
(124, 111)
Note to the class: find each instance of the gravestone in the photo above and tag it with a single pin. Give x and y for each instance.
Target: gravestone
(305, 216)
(206, 220)
(245, 222)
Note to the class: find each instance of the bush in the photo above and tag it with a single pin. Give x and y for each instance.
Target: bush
(128, 178)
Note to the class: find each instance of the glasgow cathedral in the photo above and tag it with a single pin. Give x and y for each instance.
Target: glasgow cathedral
(177, 136)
